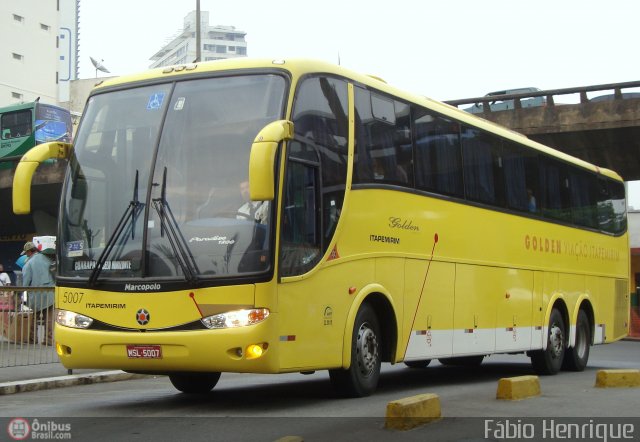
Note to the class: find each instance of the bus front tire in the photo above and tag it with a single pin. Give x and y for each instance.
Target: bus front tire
(576, 357)
(194, 383)
(361, 378)
(549, 361)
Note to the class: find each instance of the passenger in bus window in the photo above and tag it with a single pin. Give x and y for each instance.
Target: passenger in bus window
(378, 169)
(256, 210)
(532, 201)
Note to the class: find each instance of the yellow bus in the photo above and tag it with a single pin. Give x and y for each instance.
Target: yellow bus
(274, 216)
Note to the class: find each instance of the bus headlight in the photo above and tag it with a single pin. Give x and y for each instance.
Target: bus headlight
(74, 320)
(236, 318)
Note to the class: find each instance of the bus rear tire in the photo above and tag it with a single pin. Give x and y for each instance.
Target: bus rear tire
(418, 364)
(576, 357)
(361, 378)
(549, 361)
(194, 383)
(463, 361)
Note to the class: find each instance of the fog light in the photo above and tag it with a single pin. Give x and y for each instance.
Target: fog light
(254, 351)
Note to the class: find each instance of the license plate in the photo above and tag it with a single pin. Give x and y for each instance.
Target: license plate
(144, 352)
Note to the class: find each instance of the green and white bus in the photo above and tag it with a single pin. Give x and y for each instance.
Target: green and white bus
(24, 125)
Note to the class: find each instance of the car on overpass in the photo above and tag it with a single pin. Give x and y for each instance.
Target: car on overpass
(499, 105)
(610, 97)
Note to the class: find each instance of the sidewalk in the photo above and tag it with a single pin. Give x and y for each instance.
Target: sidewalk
(21, 378)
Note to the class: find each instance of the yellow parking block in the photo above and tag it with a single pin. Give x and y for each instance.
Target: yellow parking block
(618, 378)
(519, 387)
(410, 412)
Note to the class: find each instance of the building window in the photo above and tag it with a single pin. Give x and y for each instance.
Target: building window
(241, 50)
(18, 56)
(232, 48)
(18, 18)
(44, 27)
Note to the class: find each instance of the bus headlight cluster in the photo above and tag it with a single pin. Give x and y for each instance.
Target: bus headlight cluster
(236, 318)
(74, 320)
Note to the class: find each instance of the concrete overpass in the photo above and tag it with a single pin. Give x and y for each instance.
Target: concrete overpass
(604, 131)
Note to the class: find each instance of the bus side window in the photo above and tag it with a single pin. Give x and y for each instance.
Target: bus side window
(383, 140)
(301, 235)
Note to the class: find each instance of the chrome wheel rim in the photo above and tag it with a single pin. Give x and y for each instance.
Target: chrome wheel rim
(366, 350)
(556, 341)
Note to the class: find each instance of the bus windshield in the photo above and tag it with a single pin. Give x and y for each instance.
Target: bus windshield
(157, 186)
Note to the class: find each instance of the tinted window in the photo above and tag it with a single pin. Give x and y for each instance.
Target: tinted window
(482, 166)
(320, 118)
(16, 124)
(438, 163)
(383, 140)
(521, 173)
(555, 196)
(583, 191)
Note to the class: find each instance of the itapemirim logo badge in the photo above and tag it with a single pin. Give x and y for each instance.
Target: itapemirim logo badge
(20, 429)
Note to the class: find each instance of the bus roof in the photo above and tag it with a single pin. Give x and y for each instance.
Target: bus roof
(26, 105)
(300, 67)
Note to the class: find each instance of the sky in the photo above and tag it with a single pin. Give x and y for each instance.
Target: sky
(442, 49)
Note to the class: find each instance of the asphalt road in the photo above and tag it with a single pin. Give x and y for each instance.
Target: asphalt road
(269, 407)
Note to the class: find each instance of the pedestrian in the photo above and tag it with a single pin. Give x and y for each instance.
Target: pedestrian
(37, 273)
(4, 278)
(7, 301)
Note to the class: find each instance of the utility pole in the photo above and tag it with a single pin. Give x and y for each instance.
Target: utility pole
(198, 42)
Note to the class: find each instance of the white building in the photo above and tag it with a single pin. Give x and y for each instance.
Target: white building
(39, 50)
(217, 42)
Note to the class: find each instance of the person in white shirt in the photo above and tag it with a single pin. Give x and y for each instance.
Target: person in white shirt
(4, 278)
(256, 210)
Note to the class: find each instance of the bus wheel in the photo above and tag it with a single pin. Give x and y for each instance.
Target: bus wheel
(361, 378)
(463, 361)
(549, 361)
(418, 364)
(575, 359)
(194, 383)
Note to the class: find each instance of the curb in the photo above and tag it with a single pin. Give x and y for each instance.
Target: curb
(517, 388)
(617, 378)
(66, 381)
(410, 412)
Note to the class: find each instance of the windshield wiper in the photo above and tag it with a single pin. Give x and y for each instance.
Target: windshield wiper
(133, 209)
(169, 224)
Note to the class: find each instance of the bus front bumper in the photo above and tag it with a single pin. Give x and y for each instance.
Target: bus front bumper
(251, 349)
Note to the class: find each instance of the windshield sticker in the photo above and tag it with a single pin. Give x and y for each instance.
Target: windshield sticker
(75, 249)
(179, 104)
(108, 265)
(223, 240)
(155, 101)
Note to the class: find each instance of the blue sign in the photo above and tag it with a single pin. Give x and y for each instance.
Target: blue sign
(155, 101)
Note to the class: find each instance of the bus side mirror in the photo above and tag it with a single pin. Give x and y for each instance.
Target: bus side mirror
(27, 167)
(263, 157)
